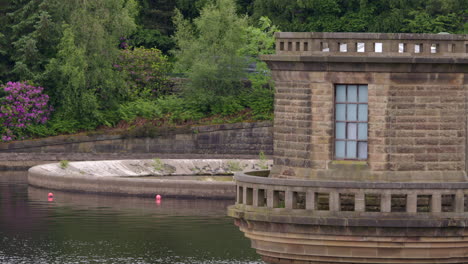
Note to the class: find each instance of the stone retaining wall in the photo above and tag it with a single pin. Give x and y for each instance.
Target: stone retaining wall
(240, 140)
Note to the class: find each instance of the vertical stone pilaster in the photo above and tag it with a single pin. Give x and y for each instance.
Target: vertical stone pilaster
(359, 202)
(459, 201)
(411, 203)
(436, 203)
(288, 199)
(386, 202)
(255, 197)
(310, 200)
(270, 198)
(334, 201)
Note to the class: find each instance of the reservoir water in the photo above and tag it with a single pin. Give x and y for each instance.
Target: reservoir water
(87, 228)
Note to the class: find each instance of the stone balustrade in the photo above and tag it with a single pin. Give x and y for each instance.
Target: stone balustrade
(371, 44)
(445, 199)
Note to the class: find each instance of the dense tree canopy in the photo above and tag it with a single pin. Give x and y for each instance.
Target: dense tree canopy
(418, 16)
(101, 61)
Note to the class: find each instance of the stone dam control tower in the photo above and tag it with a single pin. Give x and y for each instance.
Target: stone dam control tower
(370, 152)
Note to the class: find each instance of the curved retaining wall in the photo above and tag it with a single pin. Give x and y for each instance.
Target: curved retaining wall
(239, 140)
(127, 177)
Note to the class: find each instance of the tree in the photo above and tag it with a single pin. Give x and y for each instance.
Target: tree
(82, 78)
(32, 32)
(208, 52)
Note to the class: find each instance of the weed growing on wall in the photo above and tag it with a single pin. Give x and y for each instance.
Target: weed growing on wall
(158, 165)
(64, 164)
(234, 166)
(263, 161)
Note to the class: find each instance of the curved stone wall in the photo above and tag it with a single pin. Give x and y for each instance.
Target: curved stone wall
(294, 221)
(129, 177)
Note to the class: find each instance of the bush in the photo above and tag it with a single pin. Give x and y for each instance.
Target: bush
(139, 108)
(146, 72)
(261, 103)
(22, 106)
(177, 109)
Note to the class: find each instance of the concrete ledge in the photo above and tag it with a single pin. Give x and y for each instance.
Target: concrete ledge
(127, 177)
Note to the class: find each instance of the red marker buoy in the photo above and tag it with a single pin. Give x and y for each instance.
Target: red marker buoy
(158, 197)
(50, 197)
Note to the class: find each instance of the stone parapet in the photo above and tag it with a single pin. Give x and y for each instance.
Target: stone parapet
(371, 44)
(349, 203)
(303, 221)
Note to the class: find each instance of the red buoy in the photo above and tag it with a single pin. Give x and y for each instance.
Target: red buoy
(50, 197)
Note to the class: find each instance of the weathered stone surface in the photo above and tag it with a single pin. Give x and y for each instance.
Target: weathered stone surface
(127, 177)
(241, 140)
(407, 202)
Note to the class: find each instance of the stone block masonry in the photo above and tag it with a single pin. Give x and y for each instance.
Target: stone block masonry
(400, 195)
(417, 115)
(240, 140)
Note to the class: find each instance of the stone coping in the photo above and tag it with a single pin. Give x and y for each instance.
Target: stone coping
(371, 47)
(243, 177)
(127, 177)
(345, 219)
(375, 58)
(362, 35)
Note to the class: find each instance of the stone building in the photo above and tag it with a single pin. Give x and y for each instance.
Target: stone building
(370, 151)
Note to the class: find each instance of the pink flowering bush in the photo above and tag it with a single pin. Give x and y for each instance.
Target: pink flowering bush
(23, 105)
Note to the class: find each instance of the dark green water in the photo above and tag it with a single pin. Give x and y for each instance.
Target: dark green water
(83, 228)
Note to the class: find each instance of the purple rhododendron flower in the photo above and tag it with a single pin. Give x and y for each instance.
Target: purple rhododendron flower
(24, 105)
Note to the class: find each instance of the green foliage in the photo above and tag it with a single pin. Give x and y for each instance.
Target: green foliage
(146, 72)
(177, 109)
(171, 108)
(63, 164)
(82, 73)
(234, 166)
(77, 100)
(263, 161)
(260, 40)
(208, 51)
(416, 16)
(40, 131)
(158, 165)
(260, 100)
(139, 108)
(150, 38)
(227, 105)
(215, 70)
(32, 33)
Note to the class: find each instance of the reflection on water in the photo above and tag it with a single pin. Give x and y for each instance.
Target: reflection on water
(83, 228)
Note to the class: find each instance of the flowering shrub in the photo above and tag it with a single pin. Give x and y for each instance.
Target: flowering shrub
(23, 105)
(146, 72)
